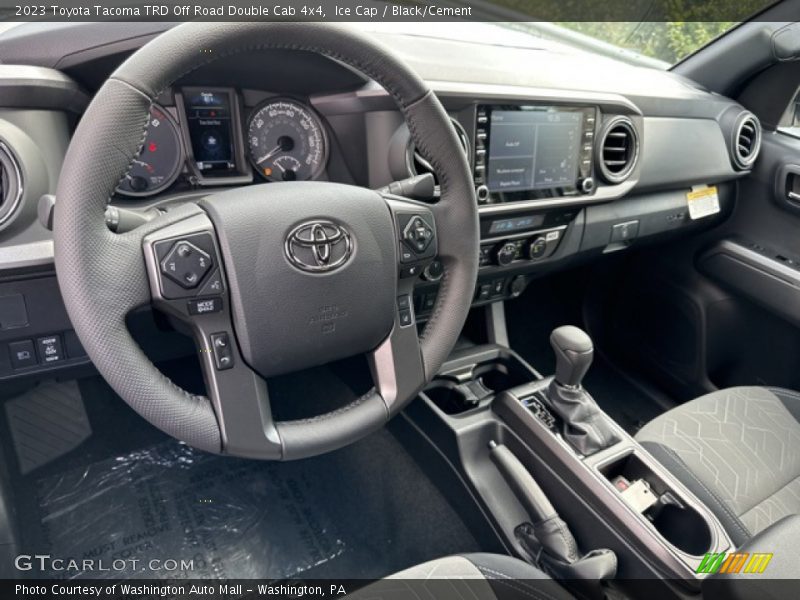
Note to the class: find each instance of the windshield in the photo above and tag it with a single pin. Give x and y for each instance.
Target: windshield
(645, 43)
(665, 41)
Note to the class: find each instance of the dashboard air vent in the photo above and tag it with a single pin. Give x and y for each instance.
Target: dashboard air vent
(619, 149)
(10, 184)
(746, 140)
(417, 164)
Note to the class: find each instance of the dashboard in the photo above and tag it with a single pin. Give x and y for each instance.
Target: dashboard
(572, 159)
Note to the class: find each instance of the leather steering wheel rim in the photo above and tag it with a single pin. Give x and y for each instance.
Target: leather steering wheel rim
(103, 275)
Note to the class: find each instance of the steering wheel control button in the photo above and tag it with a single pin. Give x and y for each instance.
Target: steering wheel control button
(418, 235)
(406, 255)
(221, 349)
(22, 354)
(213, 285)
(203, 306)
(434, 271)
(186, 264)
(50, 349)
(411, 271)
(406, 317)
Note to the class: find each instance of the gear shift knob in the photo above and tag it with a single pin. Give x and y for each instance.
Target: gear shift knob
(574, 352)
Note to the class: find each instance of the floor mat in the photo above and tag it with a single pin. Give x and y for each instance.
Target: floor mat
(46, 422)
(215, 517)
(364, 511)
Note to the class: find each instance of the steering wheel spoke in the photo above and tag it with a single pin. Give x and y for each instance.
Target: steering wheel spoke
(397, 367)
(188, 282)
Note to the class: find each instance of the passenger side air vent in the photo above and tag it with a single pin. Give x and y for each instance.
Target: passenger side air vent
(10, 184)
(619, 150)
(746, 140)
(417, 164)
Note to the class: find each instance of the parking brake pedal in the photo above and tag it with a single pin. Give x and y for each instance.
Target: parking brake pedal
(557, 551)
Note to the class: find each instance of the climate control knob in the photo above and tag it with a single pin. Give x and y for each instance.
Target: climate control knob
(537, 248)
(505, 253)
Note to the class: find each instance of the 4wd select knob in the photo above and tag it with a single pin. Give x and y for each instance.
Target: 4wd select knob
(505, 253)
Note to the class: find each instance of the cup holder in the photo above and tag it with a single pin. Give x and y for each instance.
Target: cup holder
(461, 391)
(684, 528)
(677, 522)
(499, 377)
(449, 397)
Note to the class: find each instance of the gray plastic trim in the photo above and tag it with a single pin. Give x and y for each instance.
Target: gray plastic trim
(23, 86)
(10, 161)
(741, 161)
(23, 256)
(618, 121)
(678, 152)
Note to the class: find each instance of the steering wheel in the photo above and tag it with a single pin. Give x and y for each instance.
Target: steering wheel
(270, 278)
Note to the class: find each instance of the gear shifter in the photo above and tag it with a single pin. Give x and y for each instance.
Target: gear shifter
(574, 352)
(586, 428)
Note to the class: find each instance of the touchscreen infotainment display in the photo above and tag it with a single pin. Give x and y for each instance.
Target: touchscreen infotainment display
(533, 148)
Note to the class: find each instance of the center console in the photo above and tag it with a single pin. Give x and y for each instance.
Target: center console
(535, 449)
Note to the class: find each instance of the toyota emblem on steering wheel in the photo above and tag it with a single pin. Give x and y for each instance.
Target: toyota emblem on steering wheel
(318, 246)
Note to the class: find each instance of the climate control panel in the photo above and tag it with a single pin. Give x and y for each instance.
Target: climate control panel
(532, 246)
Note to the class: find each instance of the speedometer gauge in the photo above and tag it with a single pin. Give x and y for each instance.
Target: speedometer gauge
(160, 159)
(287, 141)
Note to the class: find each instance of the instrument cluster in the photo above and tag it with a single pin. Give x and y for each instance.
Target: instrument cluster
(210, 138)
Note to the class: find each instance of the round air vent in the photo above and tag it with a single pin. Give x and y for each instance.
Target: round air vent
(417, 164)
(10, 184)
(619, 149)
(746, 140)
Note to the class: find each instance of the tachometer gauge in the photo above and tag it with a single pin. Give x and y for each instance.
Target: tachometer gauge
(160, 161)
(287, 141)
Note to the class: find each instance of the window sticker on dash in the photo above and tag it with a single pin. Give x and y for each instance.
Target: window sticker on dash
(703, 201)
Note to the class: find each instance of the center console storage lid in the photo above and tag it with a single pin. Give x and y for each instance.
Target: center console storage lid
(779, 577)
